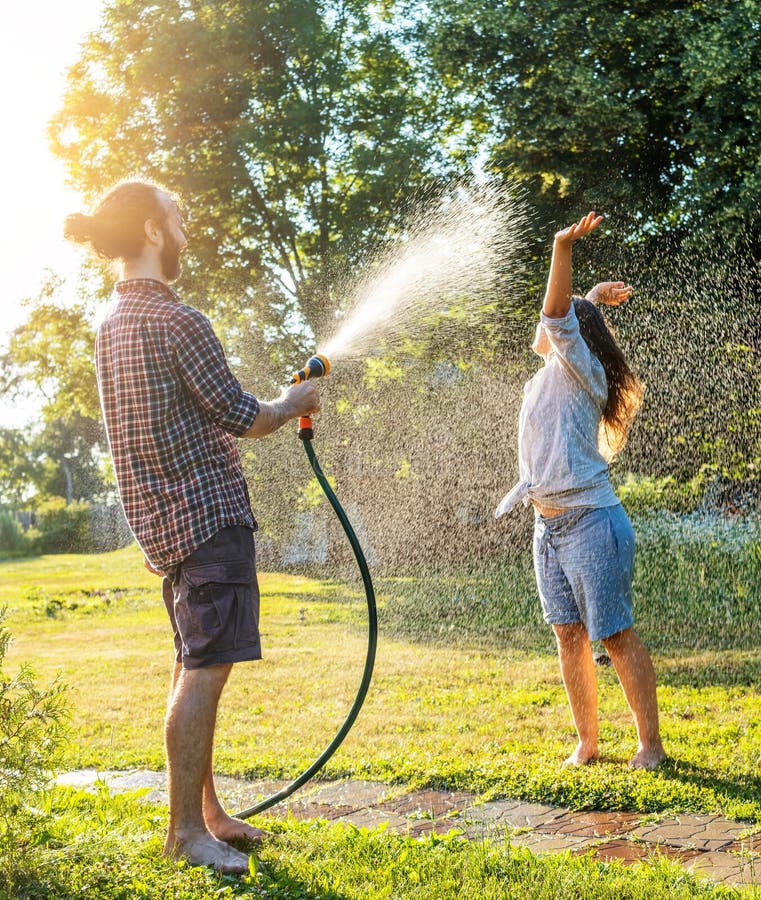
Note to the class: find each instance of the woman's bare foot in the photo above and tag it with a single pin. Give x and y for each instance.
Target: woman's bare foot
(582, 756)
(228, 828)
(648, 757)
(203, 849)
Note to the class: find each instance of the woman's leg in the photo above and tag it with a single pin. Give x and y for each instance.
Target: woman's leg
(580, 679)
(637, 676)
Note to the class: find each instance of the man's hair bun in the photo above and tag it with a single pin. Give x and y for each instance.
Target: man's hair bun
(78, 228)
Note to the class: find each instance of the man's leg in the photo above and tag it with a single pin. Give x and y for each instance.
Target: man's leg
(190, 721)
(218, 822)
(580, 679)
(637, 676)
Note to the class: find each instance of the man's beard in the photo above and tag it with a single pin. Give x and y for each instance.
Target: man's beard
(170, 257)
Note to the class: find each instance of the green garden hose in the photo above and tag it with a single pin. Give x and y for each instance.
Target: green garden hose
(372, 639)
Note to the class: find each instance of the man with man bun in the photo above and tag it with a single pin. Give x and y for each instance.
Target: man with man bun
(173, 410)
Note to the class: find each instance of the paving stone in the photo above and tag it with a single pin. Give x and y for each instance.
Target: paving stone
(539, 842)
(707, 844)
(119, 782)
(79, 778)
(356, 794)
(122, 781)
(436, 803)
(697, 832)
(236, 793)
(373, 818)
(422, 827)
(748, 875)
(305, 809)
(593, 824)
(629, 852)
(531, 815)
(666, 833)
(490, 813)
(750, 845)
(724, 867)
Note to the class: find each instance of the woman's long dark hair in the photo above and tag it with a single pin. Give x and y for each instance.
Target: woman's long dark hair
(624, 388)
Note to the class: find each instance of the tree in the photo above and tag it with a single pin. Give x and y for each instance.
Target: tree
(18, 469)
(721, 67)
(294, 131)
(51, 355)
(576, 97)
(647, 110)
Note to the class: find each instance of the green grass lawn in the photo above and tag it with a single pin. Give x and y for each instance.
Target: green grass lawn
(109, 848)
(488, 715)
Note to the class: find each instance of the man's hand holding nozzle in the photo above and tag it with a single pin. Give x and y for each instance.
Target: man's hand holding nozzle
(302, 399)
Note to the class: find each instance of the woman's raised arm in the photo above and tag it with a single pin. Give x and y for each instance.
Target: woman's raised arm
(557, 298)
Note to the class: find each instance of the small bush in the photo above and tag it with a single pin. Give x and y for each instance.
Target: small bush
(32, 731)
(13, 541)
(642, 494)
(63, 528)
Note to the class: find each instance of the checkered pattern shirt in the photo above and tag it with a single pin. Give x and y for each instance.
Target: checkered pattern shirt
(172, 409)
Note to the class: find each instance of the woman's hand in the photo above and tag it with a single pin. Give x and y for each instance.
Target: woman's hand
(567, 236)
(610, 293)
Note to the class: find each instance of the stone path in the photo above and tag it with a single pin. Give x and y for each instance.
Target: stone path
(721, 849)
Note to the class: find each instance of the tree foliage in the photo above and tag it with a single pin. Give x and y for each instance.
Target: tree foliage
(649, 110)
(297, 133)
(50, 357)
(294, 131)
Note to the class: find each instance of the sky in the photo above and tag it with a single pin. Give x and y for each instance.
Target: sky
(39, 39)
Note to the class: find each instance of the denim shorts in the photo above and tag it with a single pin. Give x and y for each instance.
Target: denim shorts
(212, 598)
(584, 562)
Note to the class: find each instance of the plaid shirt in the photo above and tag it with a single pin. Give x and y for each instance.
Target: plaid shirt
(172, 408)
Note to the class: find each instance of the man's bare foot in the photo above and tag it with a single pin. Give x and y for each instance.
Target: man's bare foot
(228, 828)
(582, 756)
(648, 757)
(203, 849)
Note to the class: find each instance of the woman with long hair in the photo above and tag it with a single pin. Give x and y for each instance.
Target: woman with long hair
(575, 417)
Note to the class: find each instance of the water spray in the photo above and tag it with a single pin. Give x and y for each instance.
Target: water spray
(318, 366)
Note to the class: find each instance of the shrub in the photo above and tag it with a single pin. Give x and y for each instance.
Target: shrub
(13, 541)
(63, 528)
(641, 494)
(32, 731)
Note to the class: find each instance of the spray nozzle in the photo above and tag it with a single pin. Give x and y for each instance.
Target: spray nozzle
(317, 366)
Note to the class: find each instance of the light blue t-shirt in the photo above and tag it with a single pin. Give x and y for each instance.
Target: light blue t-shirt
(559, 461)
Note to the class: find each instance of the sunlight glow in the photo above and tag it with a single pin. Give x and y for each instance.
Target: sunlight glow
(38, 42)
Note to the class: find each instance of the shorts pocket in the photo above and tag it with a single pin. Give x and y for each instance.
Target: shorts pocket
(228, 571)
(246, 616)
(202, 618)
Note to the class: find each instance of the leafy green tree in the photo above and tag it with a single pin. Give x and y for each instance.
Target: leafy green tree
(18, 469)
(294, 131)
(62, 459)
(646, 110)
(52, 353)
(51, 356)
(577, 98)
(721, 67)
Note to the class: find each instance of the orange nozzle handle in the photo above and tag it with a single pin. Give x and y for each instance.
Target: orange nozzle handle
(306, 431)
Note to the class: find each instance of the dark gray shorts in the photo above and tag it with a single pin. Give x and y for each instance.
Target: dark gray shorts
(212, 598)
